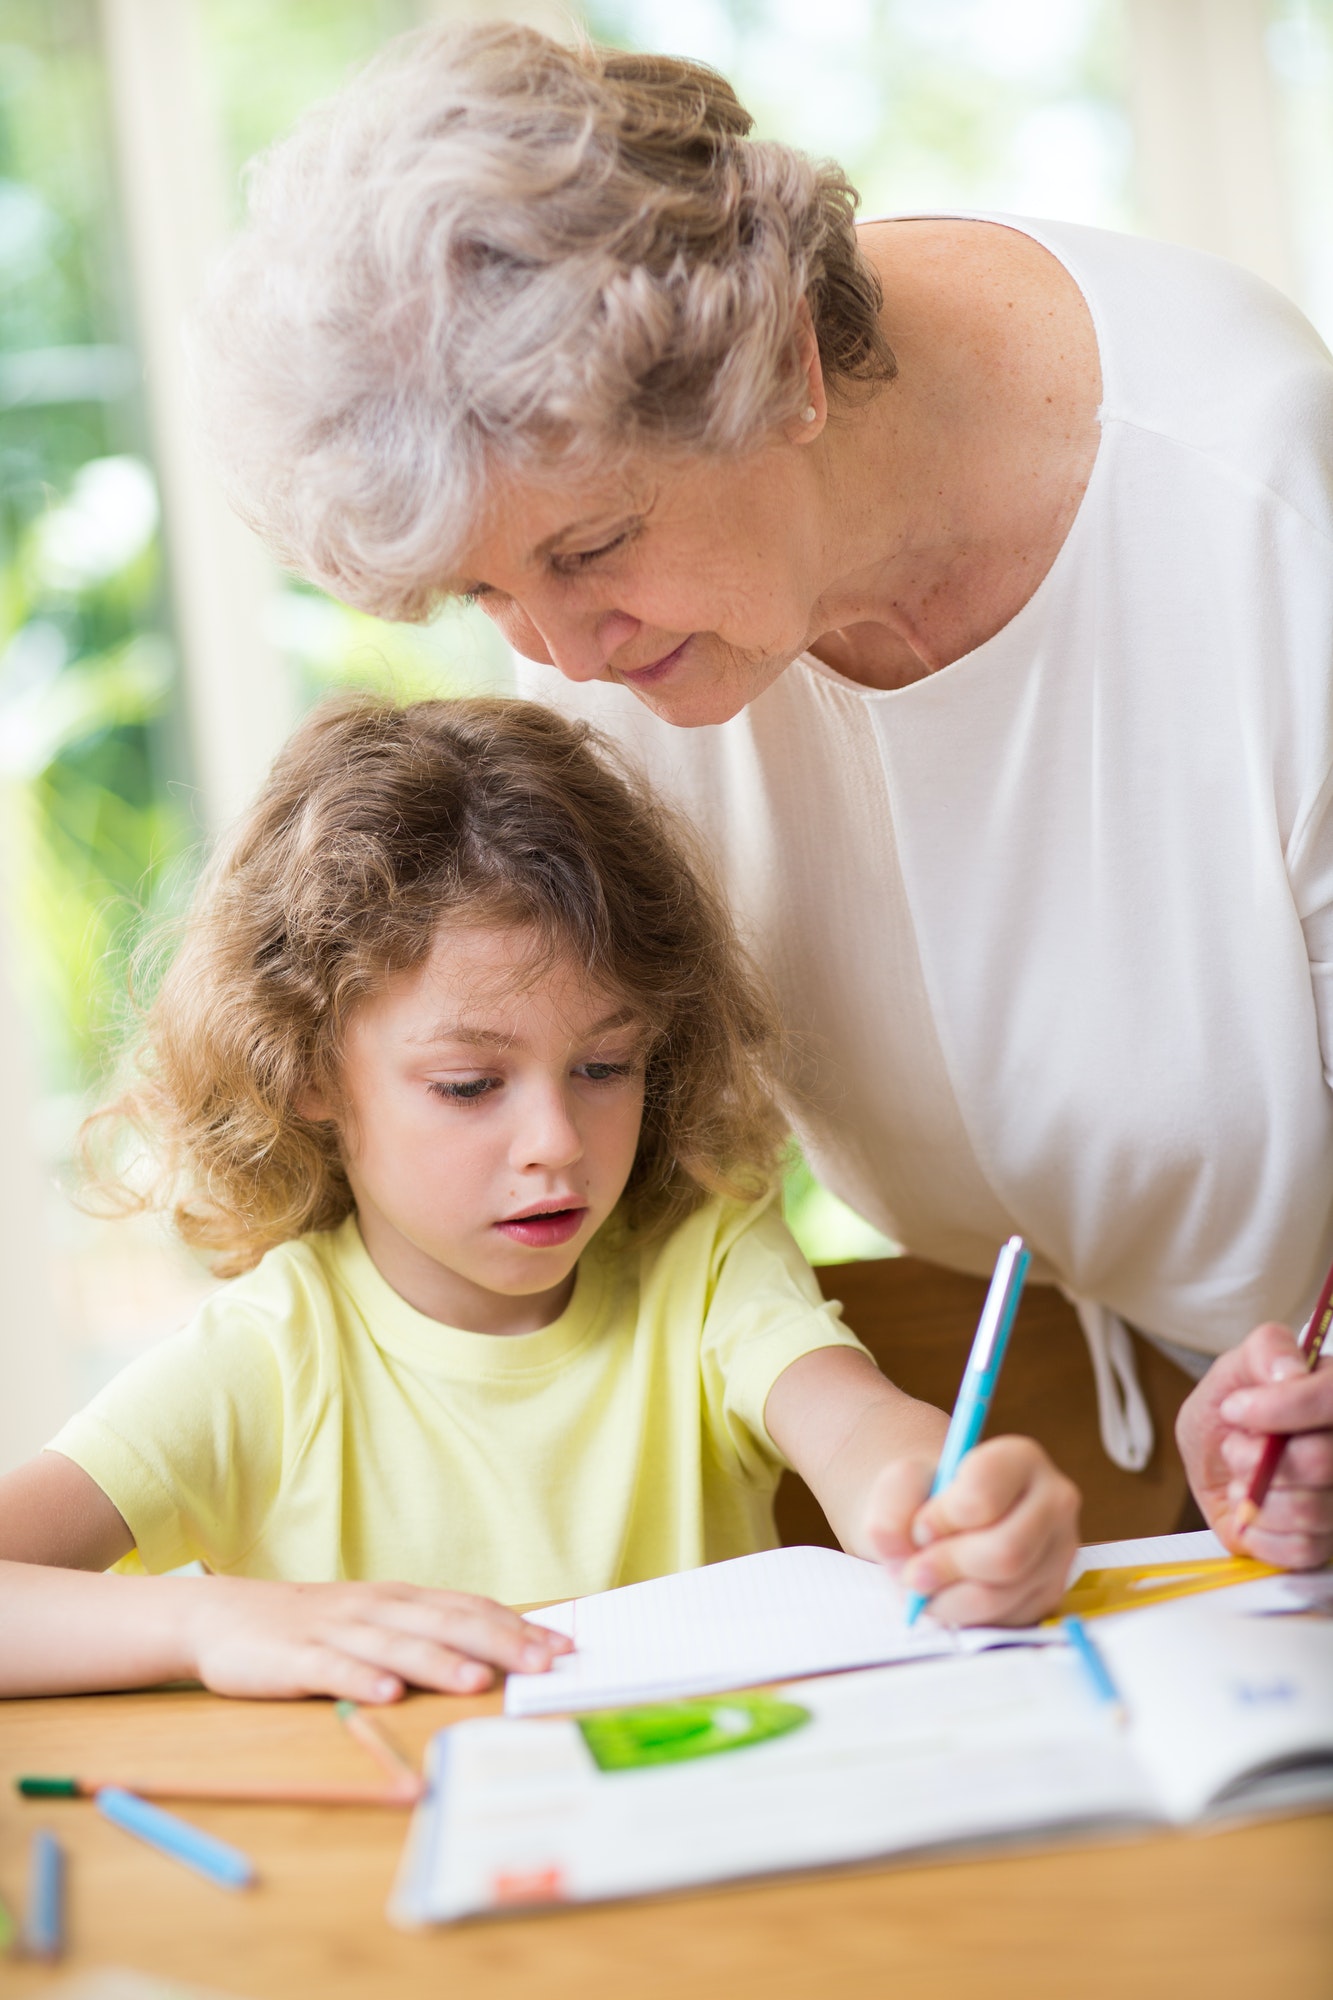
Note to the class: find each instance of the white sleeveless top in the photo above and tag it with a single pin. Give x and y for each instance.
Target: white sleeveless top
(1053, 927)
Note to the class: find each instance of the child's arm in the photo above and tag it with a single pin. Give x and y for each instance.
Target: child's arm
(994, 1549)
(65, 1633)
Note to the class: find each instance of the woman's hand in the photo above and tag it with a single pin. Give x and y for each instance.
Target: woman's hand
(363, 1642)
(1261, 1388)
(994, 1548)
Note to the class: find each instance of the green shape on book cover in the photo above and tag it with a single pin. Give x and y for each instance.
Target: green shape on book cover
(674, 1732)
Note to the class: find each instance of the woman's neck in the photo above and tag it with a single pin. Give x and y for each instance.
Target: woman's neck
(953, 489)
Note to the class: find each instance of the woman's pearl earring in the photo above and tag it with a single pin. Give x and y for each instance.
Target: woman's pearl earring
(809, 413)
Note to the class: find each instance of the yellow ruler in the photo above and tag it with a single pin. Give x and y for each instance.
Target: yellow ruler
(1099, 1591)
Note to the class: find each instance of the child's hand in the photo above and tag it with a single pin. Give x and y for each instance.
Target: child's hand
(1258, 1388)
(363, 1642)
(994, 1548)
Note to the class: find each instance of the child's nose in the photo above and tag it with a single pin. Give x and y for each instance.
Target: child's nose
(548, 1136)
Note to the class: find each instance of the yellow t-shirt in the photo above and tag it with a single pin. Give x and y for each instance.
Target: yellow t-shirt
(310, 1424)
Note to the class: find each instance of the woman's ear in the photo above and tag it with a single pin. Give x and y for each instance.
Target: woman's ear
(809, 425)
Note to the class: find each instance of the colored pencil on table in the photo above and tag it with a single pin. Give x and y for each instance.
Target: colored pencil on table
(371, 1737)
(251, 1791)
(1094, 1666)
(1311, 1344)
(44, 1921)
(8, 1929)
(176, 1838)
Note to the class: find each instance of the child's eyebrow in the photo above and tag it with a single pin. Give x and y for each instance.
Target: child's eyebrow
(479, 1037)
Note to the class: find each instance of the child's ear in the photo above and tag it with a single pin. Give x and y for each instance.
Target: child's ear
(311, 1103)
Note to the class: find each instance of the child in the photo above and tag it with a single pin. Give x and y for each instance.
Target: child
(461, 1074)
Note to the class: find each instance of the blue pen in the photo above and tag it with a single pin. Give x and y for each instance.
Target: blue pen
(980, 1376)
(44, 1918)
(1094, 1666)
(214, 1859)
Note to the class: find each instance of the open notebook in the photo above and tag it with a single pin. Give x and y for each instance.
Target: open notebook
(1228, 1715)
(757, 1618)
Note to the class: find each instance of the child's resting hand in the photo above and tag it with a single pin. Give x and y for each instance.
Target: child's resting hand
(994, 1548)
(362, 1642)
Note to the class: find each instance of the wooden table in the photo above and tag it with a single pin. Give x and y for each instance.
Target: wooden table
(1232, 1916)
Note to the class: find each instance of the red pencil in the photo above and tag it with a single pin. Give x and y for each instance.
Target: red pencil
(1312, 1341)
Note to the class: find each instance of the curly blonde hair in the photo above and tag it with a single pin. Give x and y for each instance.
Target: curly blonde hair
(498, 255)
(378, 823)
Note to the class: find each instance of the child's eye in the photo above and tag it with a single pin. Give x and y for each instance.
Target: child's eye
(468, 1092)
(606, 1072)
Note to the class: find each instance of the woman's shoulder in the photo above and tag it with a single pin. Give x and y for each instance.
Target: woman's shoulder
(1192, 349)
(1204, 353)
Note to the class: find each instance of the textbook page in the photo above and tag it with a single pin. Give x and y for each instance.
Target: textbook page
(767, 1617)
(1218, 1699)
(890, 1761)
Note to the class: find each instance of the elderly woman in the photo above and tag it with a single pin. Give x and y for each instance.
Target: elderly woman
(968, 582)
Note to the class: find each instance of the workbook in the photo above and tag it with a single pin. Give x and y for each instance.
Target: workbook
(1224, 1715)
(767, 1617)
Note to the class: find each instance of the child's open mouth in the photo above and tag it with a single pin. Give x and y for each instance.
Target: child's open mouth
(546, 1229)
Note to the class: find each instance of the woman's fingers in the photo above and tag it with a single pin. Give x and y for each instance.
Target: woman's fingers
(1293, 1398)
(1307, 1460)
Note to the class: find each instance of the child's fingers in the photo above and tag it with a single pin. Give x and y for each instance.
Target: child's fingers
(1005, 1557)
(415, 1660)
(989, 1483)
(893, 1504)
(1013, 1568)
(328, 1670)
(967, 1603)
(473, 1625)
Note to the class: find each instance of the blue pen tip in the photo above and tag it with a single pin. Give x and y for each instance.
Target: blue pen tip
(916, 1604)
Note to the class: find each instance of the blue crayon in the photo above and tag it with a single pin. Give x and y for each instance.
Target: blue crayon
(44, 1921)
(213, 1859)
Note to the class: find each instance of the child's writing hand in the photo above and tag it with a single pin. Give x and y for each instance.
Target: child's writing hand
(994, 1548)
(363, 1642)
(1258, 1388)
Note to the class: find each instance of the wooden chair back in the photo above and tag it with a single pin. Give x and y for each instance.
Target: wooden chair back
(918, 1320)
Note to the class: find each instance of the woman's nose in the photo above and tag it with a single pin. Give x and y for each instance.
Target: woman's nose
(581, 647)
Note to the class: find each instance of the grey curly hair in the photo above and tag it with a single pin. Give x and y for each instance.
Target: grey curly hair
(497, 255)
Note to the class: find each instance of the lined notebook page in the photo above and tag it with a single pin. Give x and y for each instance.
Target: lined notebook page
(767, 1617)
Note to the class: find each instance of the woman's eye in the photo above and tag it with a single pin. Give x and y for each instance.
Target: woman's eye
(576, 559)
(466, 1093)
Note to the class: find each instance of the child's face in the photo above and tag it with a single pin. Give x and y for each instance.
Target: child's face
(491, 1121)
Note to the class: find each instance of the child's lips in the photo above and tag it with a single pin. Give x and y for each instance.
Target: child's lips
(545, 1231)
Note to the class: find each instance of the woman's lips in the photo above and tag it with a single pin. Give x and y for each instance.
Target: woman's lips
(656, 670)
(546, 1231)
